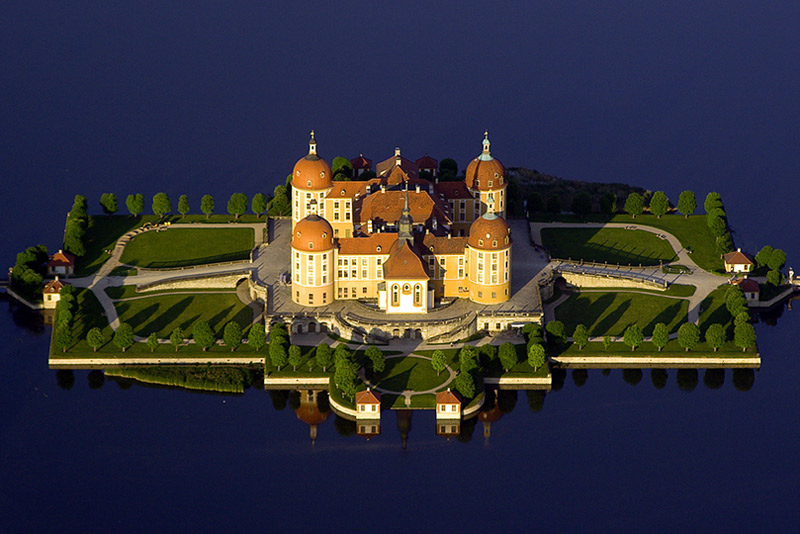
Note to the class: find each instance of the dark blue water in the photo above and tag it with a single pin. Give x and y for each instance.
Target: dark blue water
(142, 97)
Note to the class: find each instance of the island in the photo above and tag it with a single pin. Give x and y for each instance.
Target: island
(407, 286)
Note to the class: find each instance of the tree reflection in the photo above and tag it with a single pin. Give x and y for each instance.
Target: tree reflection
(632, 376)
(323, 402)
(294, 400)
(467, 427)
(344, 427)
(506, 400)
(687, 379)
(96, 379)
(279, 398)
(535, 399)
(659, 378)
(65, 378)
(580, 376)
(714, 378)
(559, 376)
(743, 379)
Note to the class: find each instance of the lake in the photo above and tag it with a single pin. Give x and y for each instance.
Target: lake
(213, 99)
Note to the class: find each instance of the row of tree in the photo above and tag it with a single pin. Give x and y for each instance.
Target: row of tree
(162, 204)
(583, 204)
(718, 222)
(75, 230)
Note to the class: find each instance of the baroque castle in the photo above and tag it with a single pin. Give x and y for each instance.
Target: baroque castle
(402, 239)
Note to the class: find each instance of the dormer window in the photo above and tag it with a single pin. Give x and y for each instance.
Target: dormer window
(310, 245)
(322, 174)
(378, 249)
(324, 235)
(490, 183)
(480, 242)
(308, 183)
(501, 180)
(494, 242)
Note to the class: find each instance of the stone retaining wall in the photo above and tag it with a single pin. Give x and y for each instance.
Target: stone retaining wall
(658, 362)
(218, 281)
(296, 383)
(594, 280)
(544, 382)
(99, 363)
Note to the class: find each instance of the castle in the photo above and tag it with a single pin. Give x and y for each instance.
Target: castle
(398, 238)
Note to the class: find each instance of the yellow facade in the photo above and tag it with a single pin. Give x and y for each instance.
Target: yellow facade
(489, 275)
(312, 277)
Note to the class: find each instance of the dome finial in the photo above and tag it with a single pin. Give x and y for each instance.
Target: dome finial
(312, 144)
(486, 142)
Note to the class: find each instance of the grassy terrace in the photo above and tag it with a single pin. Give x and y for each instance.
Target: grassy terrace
(692, 232)
(180, 247)
(648, 349)
(674, 290)
(103, 232)
(129, 291)
(611, 313)
(614, 245)
(162, 314)
(410, 372)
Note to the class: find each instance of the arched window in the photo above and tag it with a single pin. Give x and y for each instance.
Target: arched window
(395, 294)
(494, 242)
(417, 294)
(480, 242)
(310, 245)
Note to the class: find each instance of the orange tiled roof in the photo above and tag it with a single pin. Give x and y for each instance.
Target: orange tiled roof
(441, 244)
(347, 189)
(447, 397)
(409, 167)
(388, 207)
(61, 259)
(368, 397)
(427, 162)
(404, 264)
(748, 285)
(737, 258)
(361, 162)
(380, 243)
(53, 286)
(453, 190)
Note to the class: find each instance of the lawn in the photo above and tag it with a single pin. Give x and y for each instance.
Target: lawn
(129, 291)
(672, 350)
(410, 373)
(612, 313)
(102, 233)
(162, 314)
(713, 310)
(692, 232)
(612, 245)
(179, 247)
(674, 290)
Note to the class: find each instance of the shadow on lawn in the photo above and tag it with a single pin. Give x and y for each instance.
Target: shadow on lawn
(666, 316)
(603, 326)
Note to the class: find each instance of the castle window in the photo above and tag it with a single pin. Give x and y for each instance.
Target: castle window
(480, 242)
(310, 245)
(378, 249)
(308, 183)
(490, 183)
(494, 242)
(417, 294)
(395, 295)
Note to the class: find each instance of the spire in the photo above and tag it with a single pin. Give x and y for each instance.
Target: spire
(486, 154)
(312, 145)
(405, 223)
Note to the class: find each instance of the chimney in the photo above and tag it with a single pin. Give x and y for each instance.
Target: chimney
(417, 188)
(449, 235)
(383, 188)
(397, 151)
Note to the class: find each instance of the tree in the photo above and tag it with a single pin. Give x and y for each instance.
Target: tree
(203, 335)
(123, 337)
(295, 356)
(554, 204)
(688, 336)
(448, 168)
(580, 336)
(152, 341)
(687, 203)
(744, 336)
(65, 336)
(634, 204)
(556, 332)
(257, 337)
(659, 204)
(280, 205)
(718, 225)
(324, 356)
(73, 238)
(608, 203)
(735, 301)
(376, 356)
(183, 205)
(777, 260)
(742, 317)
(582, 204)
(161, 204)
(763, 256)
(232, 335)
(606, 341)
(467, 358)
(465, 384)
(342, 166)
(207, 205)
(108, 201)
(438, 361)
(536, 356)
(660, 336)
(508, 355)
(176, 338)
(135, 204)
(259, 204)
(774, 278)
(277, 354)
(237, 205)
(95, 338)
(346, 377)
(715, 336)
(713, 200)
(724, 243)
(633, 336)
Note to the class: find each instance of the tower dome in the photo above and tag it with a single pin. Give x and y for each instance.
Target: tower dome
(489, 232)
(311, 172)
(312, 234)
(485, 173)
